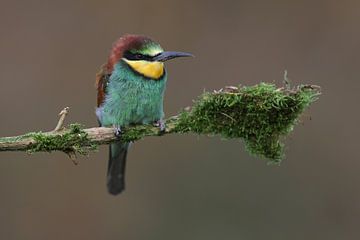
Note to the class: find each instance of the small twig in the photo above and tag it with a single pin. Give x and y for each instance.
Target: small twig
(59, 126)
(226, 115)
(286, 80)
(62, 115)
(73, 157)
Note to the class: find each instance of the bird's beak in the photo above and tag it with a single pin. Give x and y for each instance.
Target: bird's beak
(164, 56)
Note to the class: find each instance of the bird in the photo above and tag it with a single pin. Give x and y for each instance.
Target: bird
(130, 90)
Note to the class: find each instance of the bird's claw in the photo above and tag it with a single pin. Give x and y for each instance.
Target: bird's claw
(117, 131)
(161, 125)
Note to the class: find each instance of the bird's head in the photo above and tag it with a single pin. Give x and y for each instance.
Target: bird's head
(143, 55)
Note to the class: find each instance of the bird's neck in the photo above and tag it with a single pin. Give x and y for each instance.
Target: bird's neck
(153, 70)
(123, 72)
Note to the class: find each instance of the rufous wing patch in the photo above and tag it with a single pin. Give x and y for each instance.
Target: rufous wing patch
(102, 78)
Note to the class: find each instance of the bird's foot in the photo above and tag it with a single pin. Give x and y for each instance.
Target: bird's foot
(117, 131)
(161, 125)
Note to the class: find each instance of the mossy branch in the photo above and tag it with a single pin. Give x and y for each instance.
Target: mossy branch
(260, 115)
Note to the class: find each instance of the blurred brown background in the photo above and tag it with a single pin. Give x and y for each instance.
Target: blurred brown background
(182, 187)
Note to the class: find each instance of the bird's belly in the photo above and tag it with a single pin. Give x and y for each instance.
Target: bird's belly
(142, 107)
(145, 112)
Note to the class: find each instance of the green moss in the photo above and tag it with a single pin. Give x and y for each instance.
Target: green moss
(259, 114)
(73, 140)
(136, 132)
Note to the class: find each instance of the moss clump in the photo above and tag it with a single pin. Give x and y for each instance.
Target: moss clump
(259, 114)
(74, 140)
(136, 132)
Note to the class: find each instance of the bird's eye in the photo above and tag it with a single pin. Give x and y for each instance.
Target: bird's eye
(139, 56)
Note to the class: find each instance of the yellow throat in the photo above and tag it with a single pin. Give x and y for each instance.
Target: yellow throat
(149, 69)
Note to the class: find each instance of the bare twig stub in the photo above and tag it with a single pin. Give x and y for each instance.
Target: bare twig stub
(62, 115)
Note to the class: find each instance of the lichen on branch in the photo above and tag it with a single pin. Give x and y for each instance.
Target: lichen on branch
(261, 115)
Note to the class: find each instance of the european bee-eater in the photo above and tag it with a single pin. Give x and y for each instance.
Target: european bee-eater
(130, 90)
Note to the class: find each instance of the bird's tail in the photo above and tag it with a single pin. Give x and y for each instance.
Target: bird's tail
(116, 167)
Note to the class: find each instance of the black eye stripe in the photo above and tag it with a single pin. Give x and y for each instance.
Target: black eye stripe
(137, 56)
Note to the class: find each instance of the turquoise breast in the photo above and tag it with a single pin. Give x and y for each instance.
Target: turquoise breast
(131, 98)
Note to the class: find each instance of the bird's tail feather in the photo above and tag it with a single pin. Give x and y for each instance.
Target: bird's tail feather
(116, 167)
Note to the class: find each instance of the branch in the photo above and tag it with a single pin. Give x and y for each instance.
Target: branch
(260, 115)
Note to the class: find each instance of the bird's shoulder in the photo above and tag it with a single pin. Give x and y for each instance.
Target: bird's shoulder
(102, 80)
